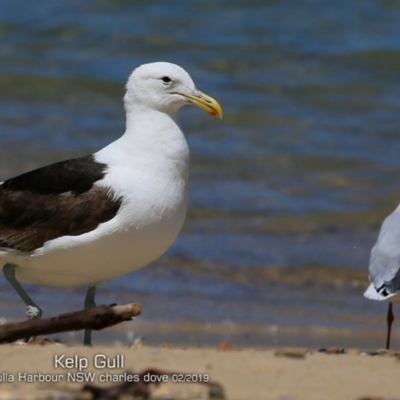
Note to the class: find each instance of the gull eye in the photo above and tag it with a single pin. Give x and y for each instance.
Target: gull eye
(166, 79)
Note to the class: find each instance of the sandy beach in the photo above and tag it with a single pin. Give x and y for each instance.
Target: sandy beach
(280, 374)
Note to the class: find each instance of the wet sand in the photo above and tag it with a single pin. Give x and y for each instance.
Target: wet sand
(243, 373)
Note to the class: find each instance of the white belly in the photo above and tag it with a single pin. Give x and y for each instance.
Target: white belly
(98, 256)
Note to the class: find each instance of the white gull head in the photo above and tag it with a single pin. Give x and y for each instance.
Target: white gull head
(165, 87)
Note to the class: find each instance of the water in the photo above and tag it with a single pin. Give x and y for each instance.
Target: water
(287, 192)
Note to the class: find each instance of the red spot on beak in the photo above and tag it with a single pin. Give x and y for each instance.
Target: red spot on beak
(212, 112)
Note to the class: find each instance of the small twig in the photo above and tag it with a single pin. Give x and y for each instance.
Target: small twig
(95, 318)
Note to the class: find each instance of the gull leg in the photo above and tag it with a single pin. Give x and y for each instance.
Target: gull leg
(32, 310)
(89, 303)
(389, 319)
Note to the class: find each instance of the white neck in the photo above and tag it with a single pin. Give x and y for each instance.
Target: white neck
(151, 138)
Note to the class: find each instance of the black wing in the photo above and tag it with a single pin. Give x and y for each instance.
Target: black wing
(57, 200)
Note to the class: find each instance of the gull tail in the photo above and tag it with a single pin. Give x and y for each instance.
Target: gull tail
(373, 294)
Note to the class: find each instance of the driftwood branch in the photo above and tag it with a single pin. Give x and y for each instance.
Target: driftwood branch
(95, 318)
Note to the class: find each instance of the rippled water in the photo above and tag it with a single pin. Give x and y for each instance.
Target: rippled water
(287, 192)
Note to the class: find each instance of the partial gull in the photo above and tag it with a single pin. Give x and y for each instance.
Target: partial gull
(90, 219)
(384, 267)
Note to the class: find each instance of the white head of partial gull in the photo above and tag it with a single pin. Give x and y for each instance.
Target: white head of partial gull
(86, 220)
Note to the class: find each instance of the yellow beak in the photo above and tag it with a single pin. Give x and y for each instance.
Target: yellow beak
(206, 103)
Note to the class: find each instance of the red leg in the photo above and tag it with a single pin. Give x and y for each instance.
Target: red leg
(389, 319)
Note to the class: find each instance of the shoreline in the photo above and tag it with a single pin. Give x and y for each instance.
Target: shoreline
(208, 335)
